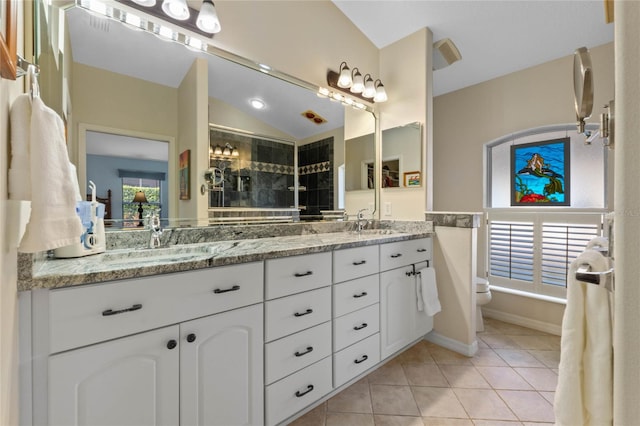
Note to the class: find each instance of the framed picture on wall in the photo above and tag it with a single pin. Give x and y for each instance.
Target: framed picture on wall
(412, 179)
(184, 163)
(540, 173)
(8, 39)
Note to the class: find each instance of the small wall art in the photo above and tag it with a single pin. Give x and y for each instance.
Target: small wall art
(412, 179)
(540, 173)
(184, 166)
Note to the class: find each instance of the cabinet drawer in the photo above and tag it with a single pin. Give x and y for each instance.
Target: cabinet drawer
(293, 393)
(294, 352)
(84, 315)
(290, 275)
(355, 359)
(402, 253)
(355, 263)
(355, 294)
(355, 326)
(294, 313)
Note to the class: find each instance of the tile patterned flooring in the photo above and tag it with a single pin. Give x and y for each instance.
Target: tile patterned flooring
(510, 381)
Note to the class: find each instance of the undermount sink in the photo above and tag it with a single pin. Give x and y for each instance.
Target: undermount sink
(183, 253)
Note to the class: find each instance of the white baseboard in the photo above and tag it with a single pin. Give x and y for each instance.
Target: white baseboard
(523, 321)
(451, 344)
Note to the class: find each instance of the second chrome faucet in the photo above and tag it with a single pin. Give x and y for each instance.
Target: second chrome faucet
(155, 230)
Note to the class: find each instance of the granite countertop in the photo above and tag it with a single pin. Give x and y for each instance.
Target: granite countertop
(137, 262)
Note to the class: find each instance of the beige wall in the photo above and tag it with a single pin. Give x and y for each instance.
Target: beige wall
(467, 119)
(405, 69)
(626, 410)
(8, 258)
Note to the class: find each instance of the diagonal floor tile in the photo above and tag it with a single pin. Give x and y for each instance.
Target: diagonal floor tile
(438, 402)
(445, 356)
(391, 373)
(504, 378)
(550, 359)
(518, 358)
(424, 375)
(315, 417)
(434, 421)
(393, 400)
(528, 405)
(385, 420)
(542, 379)
(464, 376)
(487, 358)
(349, 419)
(355, 399)
(420, 352)
(484, 404)
(542, 343)
(499, 341)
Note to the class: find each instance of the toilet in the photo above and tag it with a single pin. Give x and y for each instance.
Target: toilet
(483, 296)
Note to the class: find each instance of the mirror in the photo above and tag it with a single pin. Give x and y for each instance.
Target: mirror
(97, 85)
(402, 156)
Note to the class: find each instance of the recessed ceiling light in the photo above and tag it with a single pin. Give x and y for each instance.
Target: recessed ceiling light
(257, 103)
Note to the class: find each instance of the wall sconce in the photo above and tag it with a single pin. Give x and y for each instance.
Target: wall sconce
(204, 22)
(226, 151)
(353, 83)
(140, 198)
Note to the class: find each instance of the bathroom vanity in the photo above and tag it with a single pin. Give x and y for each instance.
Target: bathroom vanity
(245, 331)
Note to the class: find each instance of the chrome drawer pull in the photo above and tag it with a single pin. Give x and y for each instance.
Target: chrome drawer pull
(234, 288)
(421, 250)
(395, 256)
(110, 312)
(364, 293)
(309, 349)
(303, 274)
(309, 389)
(301, 314)
(360, 327)
(362, 262)
(363, 359)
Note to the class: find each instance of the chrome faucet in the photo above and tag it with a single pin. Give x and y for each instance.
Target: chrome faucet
(153, 223)
(360, 220)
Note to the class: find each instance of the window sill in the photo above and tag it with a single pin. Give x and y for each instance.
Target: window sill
(558, 300)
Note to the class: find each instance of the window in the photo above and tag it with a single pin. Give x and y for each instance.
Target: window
(531, 248)
(151, 189)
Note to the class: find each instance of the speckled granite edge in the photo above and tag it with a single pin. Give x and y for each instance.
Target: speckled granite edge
(204, 253)
(455, 220)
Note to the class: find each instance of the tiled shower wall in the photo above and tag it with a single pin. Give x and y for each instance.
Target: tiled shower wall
(315, 170)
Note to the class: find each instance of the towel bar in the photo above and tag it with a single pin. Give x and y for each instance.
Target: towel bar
(585, 274)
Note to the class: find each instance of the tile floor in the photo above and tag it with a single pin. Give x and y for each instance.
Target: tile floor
(510, 381)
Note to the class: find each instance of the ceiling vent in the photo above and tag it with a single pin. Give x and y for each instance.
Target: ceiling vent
(312, 116)
(445, 53)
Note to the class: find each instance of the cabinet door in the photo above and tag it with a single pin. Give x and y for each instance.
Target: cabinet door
(397, 310)
(128, 381)
(423, 323)
(221, 369)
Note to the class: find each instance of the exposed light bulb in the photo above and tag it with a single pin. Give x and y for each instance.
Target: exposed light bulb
(344, 80)
(226, 151)
(369, 89)
(381, 94)
(217, 150)
(358, 82)
(208, 18)
(323, 92)
(177, 9)
(235, 153)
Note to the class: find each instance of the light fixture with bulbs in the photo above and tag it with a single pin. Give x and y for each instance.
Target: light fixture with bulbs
(204, 22)
(353, 83)
(223, 151)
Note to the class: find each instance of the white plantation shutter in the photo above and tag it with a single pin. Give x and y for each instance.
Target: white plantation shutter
(532, 251)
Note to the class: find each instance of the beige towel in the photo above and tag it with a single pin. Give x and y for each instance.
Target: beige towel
(53, 222)
(584, 394)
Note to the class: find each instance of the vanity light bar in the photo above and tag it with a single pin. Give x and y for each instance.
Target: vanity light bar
(323, 92)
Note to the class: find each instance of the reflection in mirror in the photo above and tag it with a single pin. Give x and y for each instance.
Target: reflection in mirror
(359, 160)
(120, 166)
(90, 80)
(249, 171)
(401, 154)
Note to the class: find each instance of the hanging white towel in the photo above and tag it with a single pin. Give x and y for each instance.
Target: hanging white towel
(20, 168)
(598, 243)
(53, 222)
(429, 291)
(584, 394)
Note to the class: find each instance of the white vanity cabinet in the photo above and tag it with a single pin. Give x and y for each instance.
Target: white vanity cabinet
(401, 323)
(298, 364)
(207, 370)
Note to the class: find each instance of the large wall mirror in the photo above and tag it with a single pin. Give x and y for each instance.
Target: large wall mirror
(103, 76)
(402, 156)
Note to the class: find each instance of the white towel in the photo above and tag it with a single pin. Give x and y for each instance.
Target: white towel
(598, 243)
(20, 168)
(584, 394)
(429, 291)
(53, 222)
